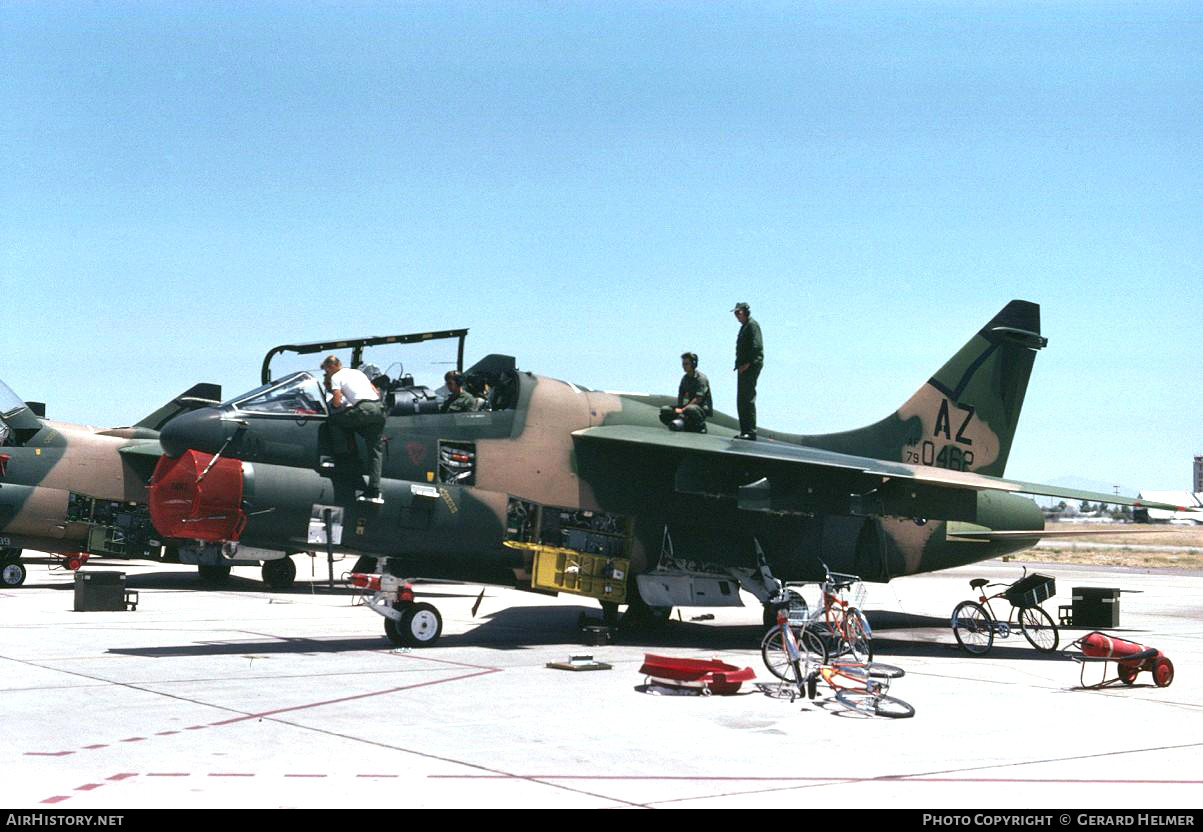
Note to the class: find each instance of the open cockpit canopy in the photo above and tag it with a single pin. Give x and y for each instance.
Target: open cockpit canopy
(17, 420)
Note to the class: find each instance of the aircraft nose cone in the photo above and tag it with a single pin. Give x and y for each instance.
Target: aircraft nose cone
(199, 430)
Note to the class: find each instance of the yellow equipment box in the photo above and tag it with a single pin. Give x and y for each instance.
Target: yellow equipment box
(567, 570)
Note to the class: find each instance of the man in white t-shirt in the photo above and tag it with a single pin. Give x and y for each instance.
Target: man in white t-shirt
(355, 408)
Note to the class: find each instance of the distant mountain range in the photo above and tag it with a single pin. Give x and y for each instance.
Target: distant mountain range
(1083, 484)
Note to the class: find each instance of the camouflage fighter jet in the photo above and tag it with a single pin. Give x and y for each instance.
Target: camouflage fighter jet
(75, 491)
(552, 486)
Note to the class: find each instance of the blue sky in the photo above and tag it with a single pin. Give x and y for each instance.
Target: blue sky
(591, 186)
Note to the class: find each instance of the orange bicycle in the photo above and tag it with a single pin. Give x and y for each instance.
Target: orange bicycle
(863, 686)
(800, 662)
(836, 629)
(842, 627)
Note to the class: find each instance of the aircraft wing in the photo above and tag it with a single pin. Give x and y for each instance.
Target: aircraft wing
(773, 476)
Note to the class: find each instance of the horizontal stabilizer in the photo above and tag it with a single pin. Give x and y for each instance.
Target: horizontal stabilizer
(967, 531)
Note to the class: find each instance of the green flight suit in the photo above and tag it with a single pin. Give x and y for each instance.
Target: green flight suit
(749, 349)
(693, 385)
(459, 403)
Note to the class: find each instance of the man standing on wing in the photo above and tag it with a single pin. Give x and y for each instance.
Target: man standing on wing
(749, 360)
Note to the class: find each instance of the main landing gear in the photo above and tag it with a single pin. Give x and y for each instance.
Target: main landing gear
(12, 571)
(279, 574)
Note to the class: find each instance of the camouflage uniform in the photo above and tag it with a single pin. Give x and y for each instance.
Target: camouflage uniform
(693, 385)
(749, 349)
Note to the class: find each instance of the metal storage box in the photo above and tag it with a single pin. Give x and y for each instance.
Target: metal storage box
(100, 592)
(1096, 607)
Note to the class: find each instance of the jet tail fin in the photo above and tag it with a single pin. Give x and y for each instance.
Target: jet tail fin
(965, 416)
(195, 397)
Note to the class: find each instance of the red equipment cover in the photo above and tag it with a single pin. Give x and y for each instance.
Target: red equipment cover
(718, 676)
(185, 504)
(1101, 646)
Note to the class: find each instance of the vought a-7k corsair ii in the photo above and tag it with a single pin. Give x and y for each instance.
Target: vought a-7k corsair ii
(552, 486)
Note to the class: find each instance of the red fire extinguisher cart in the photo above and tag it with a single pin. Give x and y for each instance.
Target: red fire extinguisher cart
(1130, 659)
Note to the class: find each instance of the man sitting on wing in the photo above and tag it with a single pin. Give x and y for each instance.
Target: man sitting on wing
(693, 399)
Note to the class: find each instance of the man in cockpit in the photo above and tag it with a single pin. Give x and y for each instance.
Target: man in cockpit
(355, 408)
(458, 399)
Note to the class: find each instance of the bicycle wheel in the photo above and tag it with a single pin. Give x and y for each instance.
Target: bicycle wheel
(1039, 629)
(971, 626)
(858, 635)
(811, 653)
(812, 650)
(774, 654)
(874, 704)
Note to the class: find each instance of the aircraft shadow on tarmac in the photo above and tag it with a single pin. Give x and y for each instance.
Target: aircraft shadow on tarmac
(896, 635)
(187, 579)
(267, 646)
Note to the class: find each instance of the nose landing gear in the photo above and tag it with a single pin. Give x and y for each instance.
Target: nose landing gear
(406, 623)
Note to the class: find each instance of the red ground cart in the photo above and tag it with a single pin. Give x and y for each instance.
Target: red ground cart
(1130, 659)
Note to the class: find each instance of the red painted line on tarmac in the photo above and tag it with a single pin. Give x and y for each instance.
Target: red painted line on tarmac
(123, 776)
(58, 799)
(480, 671)
(236, 720)
(87, 787)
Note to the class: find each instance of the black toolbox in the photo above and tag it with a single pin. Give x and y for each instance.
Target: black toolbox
(103, 592)
(1096, 607)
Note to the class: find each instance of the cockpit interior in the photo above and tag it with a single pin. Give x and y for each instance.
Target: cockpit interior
(492, 381)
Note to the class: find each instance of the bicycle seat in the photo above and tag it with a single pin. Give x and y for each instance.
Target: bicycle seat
(978, 583)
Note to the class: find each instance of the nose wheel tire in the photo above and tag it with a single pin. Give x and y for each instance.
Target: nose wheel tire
(13, 574)
(420, 626)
